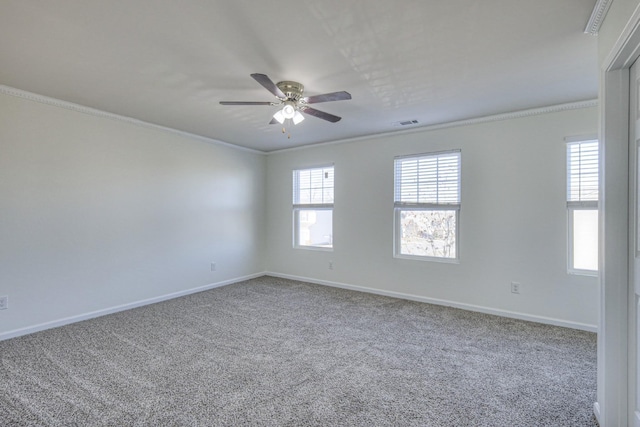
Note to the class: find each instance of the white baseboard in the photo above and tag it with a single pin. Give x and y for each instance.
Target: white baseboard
(463, 306)
(596, 411)
(128, 306)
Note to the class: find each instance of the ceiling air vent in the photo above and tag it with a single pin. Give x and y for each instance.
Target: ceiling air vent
(406, 123)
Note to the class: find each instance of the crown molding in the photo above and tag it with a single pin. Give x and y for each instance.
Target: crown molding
(600, 10)
(19, 93)
(459, 123)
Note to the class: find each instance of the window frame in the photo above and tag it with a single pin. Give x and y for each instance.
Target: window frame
(297, 208)
(578, 205)
(399, 206)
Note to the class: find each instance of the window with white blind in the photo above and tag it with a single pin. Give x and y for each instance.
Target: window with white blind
(313, 208)
(582, 206)
(427, 206)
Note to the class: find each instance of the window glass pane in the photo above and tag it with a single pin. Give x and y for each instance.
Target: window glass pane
(428, 233)
(327, 195)
(313, 186)
(585, 239)
(304, 196)
(316, 195)
(315, 227)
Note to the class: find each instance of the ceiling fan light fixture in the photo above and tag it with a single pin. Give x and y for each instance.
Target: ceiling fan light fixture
(289, 110)
(279, 116)
(297, 118)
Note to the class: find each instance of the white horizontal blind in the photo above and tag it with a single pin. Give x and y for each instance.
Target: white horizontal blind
(582, 171)
(313, 187)
(432, 179)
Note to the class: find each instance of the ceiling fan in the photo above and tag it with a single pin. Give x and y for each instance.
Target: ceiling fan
(289, 96)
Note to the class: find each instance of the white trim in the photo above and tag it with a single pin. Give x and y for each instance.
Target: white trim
(428, 154)
(636, 419)
(581, 138)
(625, 50)
(314, 206)
(18, 93)
(598, 14)
(585, 205)
(127, 306)
(446, 303)
(578, 272)
(613, 373)
(613, 237)
(596, 411)
(466, 122)
(398, 255)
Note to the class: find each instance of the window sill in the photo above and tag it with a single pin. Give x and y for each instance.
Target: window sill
(315, 248)
(428, 258)
(589, 273)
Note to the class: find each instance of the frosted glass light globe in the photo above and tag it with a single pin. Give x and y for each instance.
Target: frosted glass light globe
(288, 111)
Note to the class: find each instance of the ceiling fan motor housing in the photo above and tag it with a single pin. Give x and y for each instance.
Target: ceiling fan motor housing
(293, 90)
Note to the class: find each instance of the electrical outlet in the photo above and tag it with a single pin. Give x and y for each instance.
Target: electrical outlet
(515, 287)
(330, 265)
(213, 266)
(4, 302)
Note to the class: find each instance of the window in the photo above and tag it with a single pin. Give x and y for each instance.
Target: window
(313, 208)
(427, 205)
(582, 206)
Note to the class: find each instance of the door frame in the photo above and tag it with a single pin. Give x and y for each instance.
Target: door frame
(634, 270)
(612, 406)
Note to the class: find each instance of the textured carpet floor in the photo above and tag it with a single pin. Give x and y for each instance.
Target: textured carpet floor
(275, 352)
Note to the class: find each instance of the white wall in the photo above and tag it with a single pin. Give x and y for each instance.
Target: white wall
(96, 213)
(512, 226)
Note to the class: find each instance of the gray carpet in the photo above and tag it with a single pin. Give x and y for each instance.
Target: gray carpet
(274, 352)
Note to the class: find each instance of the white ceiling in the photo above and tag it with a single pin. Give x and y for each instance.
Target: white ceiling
(170, 62)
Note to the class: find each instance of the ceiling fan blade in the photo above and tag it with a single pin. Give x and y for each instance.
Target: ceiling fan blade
(245, 103)
(266, 82)
(333, 96)
(320, 114)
